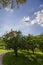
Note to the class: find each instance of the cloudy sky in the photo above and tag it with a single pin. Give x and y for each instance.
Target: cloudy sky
(28, 18)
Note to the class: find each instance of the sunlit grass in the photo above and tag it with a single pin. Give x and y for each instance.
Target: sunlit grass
(24, 58)
(2, 51)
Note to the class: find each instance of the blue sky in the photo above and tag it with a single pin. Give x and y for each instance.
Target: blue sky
(28, 18)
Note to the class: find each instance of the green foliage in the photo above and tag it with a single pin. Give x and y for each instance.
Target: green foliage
(2, 44)
(16, 40)
(12, 3)
(12, 40)
(31, 41)
(40, 42)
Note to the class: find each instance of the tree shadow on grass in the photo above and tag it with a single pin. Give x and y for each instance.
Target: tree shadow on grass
(23, 59)
(35, 59)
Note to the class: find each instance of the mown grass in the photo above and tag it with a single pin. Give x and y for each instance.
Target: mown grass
(24, 58)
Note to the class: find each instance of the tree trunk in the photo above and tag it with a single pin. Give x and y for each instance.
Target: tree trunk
(33, 51)
(15, 51)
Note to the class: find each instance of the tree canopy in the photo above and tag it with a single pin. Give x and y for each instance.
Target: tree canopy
(15, 40)
(12, 3)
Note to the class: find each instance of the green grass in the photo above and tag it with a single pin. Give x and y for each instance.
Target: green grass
(24, 58)
(2, 51)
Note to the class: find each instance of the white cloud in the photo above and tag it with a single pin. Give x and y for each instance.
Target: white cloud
(33, 22)
(39, 17)
(9, 9)
(37, 20)
(41, 5)
(26, 18)
(41, 25)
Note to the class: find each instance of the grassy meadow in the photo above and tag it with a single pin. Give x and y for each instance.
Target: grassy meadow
(24, 58)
